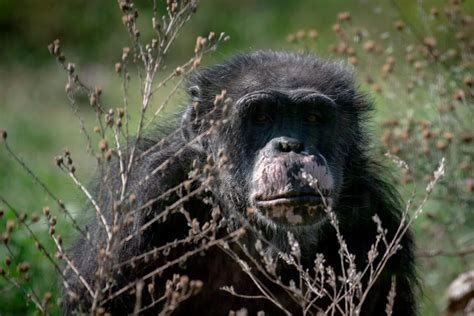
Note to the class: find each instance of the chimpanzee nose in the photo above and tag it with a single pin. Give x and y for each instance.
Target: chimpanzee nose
(287, 144)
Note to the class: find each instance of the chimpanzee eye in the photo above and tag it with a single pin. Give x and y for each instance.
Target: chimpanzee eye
(261, 118)
(313, 118)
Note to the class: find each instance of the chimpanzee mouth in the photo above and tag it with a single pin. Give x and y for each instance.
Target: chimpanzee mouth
(291, 199)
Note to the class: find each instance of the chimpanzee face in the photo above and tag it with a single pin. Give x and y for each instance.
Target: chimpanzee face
(287, 138)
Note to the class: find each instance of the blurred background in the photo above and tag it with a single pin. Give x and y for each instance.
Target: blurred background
(414, 59)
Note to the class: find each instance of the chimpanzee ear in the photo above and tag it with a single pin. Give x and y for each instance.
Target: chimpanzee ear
(189, 124)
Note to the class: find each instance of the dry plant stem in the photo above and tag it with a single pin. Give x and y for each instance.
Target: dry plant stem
(461, 253)
(167, 161)
(404, 225)
(75, 81)
(231, 290)
(71, 265)
(391, 248)
(267, 293)
(173, 244)
(307, 304)
(35, 238)
(155, 302)
(187, 68)
(48, 191)
(165, 102)
(139, 296)
(162, 196)
(172, 134)
(416, 34)
(123, 176)
(163, 214)
(232, 236)
(391, 297)
(29, 296)
(151, 70)
(194, 141)
(261, 269)
(75, 111)
(125, 101)
(168, 310)
(105, 264)
(344, 253)
(261, 287)
(91, 199)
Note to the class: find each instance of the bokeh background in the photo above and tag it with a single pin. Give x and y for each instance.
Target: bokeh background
(36, 113)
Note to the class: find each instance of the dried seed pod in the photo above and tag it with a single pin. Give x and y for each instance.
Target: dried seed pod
(336, 28)
(441, 145)
(34, 217)
(377, 88)
(459, 95)
(199, 44)
(10, 225)
(300, 34)
(430, 42)
(93, 99)
(467, 137)
(125, 53)
(399, 25)
(468, 80)
(46, 211)
(369, 46)
(353, 60)
(118, 68)
(23, 267)
(211, 36)
(291, 38)
(47, 297)
(344, 16)
(103, 145)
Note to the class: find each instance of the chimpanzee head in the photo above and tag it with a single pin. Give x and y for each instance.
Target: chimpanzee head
(289, 136)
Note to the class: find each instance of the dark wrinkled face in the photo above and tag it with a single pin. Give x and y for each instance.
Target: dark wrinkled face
(292, 133)
(286, 143)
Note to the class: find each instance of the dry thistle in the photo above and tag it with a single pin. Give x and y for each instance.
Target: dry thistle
(369, 46)
(336, 28)
(103, 145)
(300, 34)
(399, 25)
(430, 42)
(34, 217)
(468, 80)
(344, 16)
(125, 53)
(459, 95)
(10, 225)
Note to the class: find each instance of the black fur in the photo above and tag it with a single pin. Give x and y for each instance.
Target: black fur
(360, 189)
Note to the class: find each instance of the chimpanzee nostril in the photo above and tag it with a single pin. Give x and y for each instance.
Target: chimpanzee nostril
(286, 145)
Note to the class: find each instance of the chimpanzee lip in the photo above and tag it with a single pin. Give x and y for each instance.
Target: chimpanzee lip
(293, 198)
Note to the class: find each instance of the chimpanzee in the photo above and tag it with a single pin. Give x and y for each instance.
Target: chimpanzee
(287, 117)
